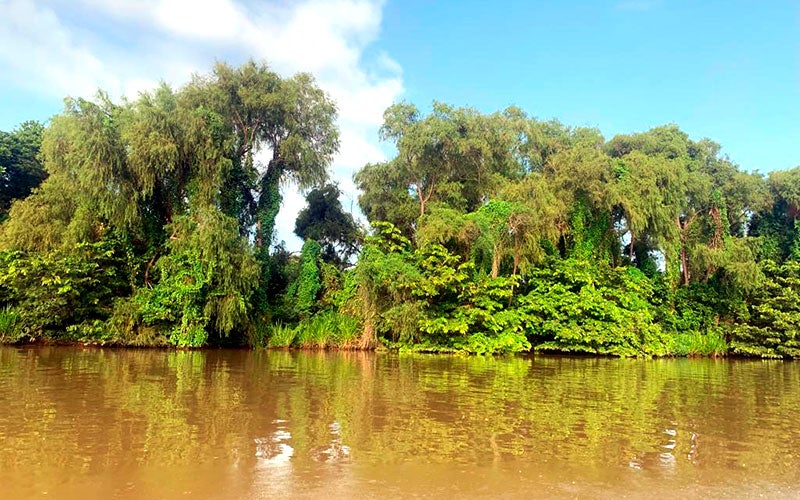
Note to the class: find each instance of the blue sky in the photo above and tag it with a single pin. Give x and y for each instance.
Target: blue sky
(727, 70)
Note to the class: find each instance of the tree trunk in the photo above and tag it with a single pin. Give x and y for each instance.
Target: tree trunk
(369, 337)
(495, 261)
(516, 255)
(269, 203)
(147, 271)
(684, 264)
(421, 201)
(630, 251)
(682, 228)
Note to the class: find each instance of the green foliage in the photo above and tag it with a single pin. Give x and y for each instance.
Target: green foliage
(427, 300)
(578, 306)
(465, 314)
(383, 278)
(55, 290)
(308, 285)
(20, 169)
(324, 330)
(692, 309)
(292, 118)
(90, 332)
(328, 329)
(126, 326)
(589, 233)
(492, 233)
(280, 335)
(171, 174)
(204, 283)
(710, 344)
(274, 302)
(324, 221)
(385, 196)
(770, 327)
(175, 303)
(691, 225)
(776, 225)
(455, 156)
(9, 325)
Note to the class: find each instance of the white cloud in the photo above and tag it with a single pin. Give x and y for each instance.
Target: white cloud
(39, 52)
(214, 20)
(74, 47)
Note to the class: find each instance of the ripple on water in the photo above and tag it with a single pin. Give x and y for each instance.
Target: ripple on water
(292, 424)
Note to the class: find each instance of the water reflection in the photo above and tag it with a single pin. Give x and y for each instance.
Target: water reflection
(273, 467)
(335, 451)
(134, 423)
(274, 451)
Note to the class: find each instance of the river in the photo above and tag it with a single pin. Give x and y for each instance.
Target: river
(112, 423)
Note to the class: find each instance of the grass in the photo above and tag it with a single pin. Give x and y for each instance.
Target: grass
(347, 332)
(9, 325)
(710, 344)
(325, 330)
(281, 336)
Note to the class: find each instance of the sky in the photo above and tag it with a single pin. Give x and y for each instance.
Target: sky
(726, 70)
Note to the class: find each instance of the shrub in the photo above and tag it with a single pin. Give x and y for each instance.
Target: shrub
(9, 326)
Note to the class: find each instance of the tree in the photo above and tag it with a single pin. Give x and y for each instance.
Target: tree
(324, 221)
(89, 187)
(454, 156)
(662, 174)
(648, 195)
(538, 221)
(173, 176)
(305, 290)
(20, 169)
(582, 177)
(493, 222)
(385, 196)
(771, 326)
(776, 223)
(291, 118)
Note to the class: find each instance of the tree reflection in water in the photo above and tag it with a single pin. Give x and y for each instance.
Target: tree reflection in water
(256, 424)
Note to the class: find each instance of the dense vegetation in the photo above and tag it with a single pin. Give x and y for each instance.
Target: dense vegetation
(151, 222)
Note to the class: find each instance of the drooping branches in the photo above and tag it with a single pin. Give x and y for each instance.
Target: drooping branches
(175, 176)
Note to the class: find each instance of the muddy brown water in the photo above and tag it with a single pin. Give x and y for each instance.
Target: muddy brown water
(112, 423)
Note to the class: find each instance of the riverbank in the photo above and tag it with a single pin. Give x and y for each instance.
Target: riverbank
(285, 338)
(488, 233)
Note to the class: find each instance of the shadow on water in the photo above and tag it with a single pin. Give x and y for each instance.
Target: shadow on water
(134, 423)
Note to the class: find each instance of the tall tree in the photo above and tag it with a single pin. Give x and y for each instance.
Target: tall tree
(291, 119)
(174, 175)
(454, 156)
(385, 196)
(20, 169)
(324, 221)
(582, 177)
(776, 223)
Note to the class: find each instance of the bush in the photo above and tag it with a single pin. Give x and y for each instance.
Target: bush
(9, 326)
(328, 329)
(711, 343)
(325, 330)
(578, 306)
(280, 336)
(770, 328)
(55, 290)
